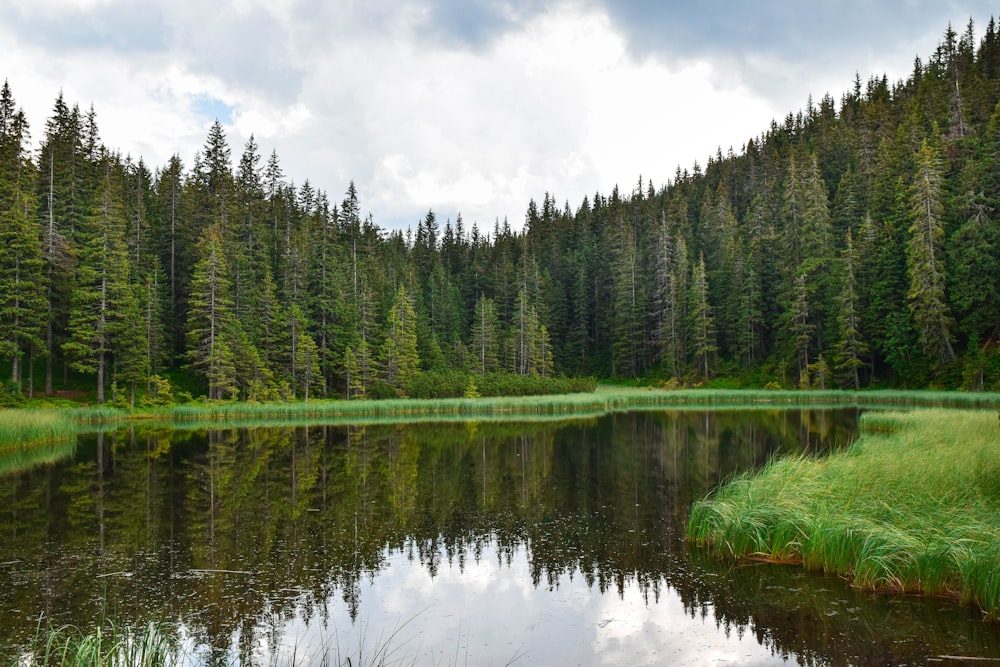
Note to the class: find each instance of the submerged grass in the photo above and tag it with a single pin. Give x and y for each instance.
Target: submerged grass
(913, 506)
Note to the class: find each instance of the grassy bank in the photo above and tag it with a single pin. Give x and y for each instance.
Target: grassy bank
(913, 506)
(20, 426)
(29, 425)
(602, 401)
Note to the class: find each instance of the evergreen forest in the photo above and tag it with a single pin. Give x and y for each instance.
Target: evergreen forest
(853, 244)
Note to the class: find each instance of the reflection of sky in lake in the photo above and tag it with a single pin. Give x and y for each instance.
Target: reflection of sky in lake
(489, 613)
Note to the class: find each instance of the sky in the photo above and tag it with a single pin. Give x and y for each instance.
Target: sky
(463, 107)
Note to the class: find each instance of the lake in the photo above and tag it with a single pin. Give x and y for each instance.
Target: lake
(454, 543)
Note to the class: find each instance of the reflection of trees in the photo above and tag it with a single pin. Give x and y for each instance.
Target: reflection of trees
(233, 532)
(823, 621)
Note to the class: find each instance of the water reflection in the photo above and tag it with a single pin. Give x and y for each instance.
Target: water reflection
(475, 543)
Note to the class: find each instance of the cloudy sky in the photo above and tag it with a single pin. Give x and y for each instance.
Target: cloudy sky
(467, 107)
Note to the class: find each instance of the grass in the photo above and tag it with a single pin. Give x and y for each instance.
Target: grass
(602, 401)
(154, 645)
(19, 427)
(67, 646)
(912, 506)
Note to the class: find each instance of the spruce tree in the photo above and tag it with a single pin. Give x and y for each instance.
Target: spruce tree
(851, 347)
(210, 334)
(22, 295)
(485, 335)
(702, 320)
(925, 258)
(399, 358)
(102, 298)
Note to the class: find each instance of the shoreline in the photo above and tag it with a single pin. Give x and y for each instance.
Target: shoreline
(21, 427)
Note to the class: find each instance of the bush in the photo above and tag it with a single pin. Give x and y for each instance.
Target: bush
(509, 384)
(10, 395)
(452, 384)
(158, 392)
(437, 384)
(382, 390)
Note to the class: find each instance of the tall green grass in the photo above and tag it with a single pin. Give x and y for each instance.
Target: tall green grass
(605, 399)
(21, 426)
(116, 646)
(913, 505)
(18, 427)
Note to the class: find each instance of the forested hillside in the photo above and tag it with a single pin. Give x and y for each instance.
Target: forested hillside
(854, 243)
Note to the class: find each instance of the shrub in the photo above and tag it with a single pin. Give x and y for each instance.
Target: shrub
(158, 392)
(436, 384)
(10, 395)
(382, 390)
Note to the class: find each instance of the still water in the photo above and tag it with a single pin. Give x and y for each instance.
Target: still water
(553, 543)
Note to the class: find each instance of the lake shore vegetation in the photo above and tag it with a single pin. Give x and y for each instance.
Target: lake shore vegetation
(24, 428)
(911, 506)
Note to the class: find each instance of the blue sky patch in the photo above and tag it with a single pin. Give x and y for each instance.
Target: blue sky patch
(211, 109)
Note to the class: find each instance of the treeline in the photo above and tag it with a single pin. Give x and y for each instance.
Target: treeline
(855, 243)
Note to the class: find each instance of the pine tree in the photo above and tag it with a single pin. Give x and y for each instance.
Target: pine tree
(702, 321)
(210, 322)
(154, 304)
(307, 370)
(102, 297)
(851, 347)
(925, 258)
(64, 190)
(169, 236)
(485, 335)
(627, 344)
(22, 295)
(800, 330)
(132, 346)
(525, 336)
(400, 360)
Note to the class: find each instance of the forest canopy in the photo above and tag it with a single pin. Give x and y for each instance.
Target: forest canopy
(855, 243)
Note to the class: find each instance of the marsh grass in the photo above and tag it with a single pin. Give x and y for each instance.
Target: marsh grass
(155, 645)
(602, 401)
(18, 427)
(115, 646)
(913, 505)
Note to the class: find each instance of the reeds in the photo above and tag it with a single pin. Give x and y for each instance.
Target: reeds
(20, 427)
(913, 505)
(31, 426)
(116, 646)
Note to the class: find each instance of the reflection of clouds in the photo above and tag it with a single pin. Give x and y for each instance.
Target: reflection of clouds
(489, 613)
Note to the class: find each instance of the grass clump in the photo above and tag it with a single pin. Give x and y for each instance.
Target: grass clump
(68, 646)
(913, 505)
(19, 427)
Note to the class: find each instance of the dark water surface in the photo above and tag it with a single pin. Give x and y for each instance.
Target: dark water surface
(446, 544)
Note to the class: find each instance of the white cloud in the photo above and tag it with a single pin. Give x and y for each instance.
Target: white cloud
(544, 99)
